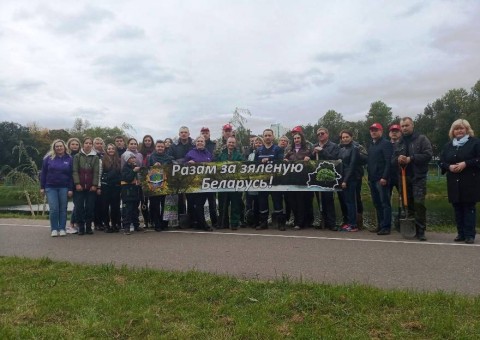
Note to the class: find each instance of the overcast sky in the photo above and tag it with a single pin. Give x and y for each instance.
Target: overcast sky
(158, 65)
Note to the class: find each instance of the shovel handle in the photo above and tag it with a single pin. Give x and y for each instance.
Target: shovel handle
(404, 187)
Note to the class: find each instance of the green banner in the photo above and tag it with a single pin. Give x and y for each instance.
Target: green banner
(241, 176)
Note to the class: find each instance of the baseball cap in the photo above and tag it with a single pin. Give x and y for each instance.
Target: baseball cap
(394, 127)
(376, 126)
(205, 129)
(297, 128)
(227, 127)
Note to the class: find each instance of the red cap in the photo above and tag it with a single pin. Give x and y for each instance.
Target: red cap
(376, 126)
(205, 129)
(228, 127)
(394, 127)
(297, 128)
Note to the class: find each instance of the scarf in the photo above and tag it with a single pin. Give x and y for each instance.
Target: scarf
(461, 141)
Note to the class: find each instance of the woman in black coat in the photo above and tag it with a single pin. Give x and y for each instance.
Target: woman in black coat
(460, 160)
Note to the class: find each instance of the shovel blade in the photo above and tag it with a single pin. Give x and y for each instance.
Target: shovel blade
(407, 227)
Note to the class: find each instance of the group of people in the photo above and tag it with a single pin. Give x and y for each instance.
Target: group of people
(103, 180)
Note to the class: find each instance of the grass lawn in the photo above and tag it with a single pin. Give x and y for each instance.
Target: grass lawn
(46, 299)
(10, 195)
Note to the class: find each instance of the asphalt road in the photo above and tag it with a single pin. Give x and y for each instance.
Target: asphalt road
(389, 262)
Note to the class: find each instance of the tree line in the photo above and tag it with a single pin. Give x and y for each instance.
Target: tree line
(434, 121)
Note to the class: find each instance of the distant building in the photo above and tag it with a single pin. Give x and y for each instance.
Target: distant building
(278, 130)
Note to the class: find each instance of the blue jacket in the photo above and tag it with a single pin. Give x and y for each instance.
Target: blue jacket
(57, 172)
(273, 153)
(379, 158)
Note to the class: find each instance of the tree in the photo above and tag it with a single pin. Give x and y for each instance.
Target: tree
(472, 113)
(79, 127)
(10, 135)
(242, 133)
(25, 175)
(334, 122)
(443, 113)
(379, 113)
(82, 128)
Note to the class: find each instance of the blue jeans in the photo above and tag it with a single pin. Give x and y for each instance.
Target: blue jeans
(57, 205)
(383, 206)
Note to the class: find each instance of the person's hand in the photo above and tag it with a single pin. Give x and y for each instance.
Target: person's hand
(70, 193)
(383, 182)
(78, 187)
(264, 160)
(93, 188)
(317, 149)
(458, 167)
(99, 191)
(306, 159)
(344, 185)
(42, 191)
(191, 162)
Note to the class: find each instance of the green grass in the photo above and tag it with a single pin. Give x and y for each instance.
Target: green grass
(10, 196)
(46, 299)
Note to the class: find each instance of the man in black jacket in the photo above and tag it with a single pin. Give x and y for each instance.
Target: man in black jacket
(326, 150)
(413, 152)
(378, 167)
(179, 150)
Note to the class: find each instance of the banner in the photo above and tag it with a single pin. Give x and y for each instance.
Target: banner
(241, 176)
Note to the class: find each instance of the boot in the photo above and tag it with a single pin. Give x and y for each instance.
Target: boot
(89, 230)
(420, 235)
(275, 221)
(263, 222)
(360, 221)
(81, 229)
(281, 221)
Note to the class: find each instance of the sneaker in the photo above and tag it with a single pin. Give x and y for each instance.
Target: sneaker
(383, 231)
(72, 230)
(127, 232)
(344, 227)
(349, 228)
(54, 233)
(132, 228)
(62, 232)
(296, 227)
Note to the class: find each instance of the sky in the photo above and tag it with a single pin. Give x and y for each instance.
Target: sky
(159, 65)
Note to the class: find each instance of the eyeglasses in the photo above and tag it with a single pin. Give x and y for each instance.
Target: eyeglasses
(321, 133)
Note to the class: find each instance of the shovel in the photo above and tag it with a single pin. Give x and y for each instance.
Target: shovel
(407, 225)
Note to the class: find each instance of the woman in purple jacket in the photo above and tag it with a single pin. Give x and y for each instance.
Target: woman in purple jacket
(57, 183)
(199, 155)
